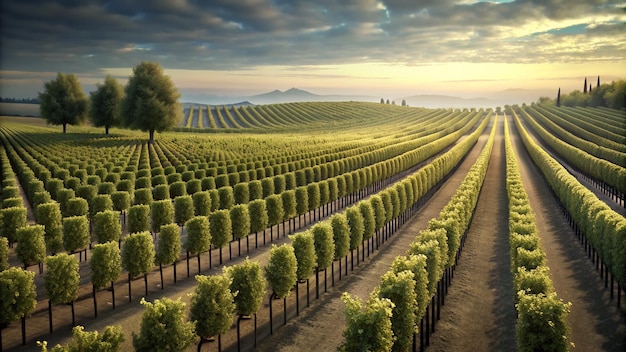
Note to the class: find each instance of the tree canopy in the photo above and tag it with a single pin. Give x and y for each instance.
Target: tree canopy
(105, 103)
(151, 102)
(63, 101)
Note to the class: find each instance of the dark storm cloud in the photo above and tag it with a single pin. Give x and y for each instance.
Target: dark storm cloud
(83, 36)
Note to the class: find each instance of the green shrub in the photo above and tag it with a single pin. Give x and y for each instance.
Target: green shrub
(169, 245)
(161, 213)
(61, 279)
(281, 269)
(183, 209)
(247, 280)
(138, 219)
(163, 324)
(18, 294)
(198, 235)
(138, 253)
(31, 244)
(201, 203)
(107, 226)
(304, 249)
(77, 206)
(143, 196)
(541, 323)
(12, 219)
(105, 264)
(49, 215)
(368, 328)
(75, 233)
(212, 305)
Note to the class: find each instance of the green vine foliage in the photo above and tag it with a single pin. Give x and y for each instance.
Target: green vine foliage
(324, 245)
(541, 322)
(105, 263)
(399, 288)
(369, 326)
(281, 270)
(163, 327)
(304, 249)
(169, 245)
(109, 341)
(138, 253)
(212, 305)
(198, 235)
(76, 234)
(107, 226)
(18, 294)
(248, 282)
(220, 227)
(341, 234)
(62, 279)
(31, 245)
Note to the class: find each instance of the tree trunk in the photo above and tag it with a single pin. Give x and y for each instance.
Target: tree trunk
(151, 137)
(106, 130)
(64, 127)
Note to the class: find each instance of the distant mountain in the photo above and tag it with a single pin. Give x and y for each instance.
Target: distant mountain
(488, 100)
(299, 95)
(274, 97)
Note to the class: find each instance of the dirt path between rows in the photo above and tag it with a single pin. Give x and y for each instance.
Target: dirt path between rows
(479, 313)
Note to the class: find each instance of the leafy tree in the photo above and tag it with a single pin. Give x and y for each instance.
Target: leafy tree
(61, 281)
(368, 328)
(355, 222)
(163, 327)
(107, 226)
(324, 246)
(289, 204)
(63, 101)
(77, 206)
(105, 103)
(143, 196)
(18, 294)
(101, 202)
(109, 341)
(198, 235)
(183, 209)
(212, 305)
(304, 249)
(247, 280)
(151, 101)
(541, 323)
(241, 193)
(121, 200)
(274, 206)
(379, 210)
(12, 219)
(169, 245)
(226, 197)
(31, 245)
(240, 220)
(341, 235)
(221, 229)
(400, 289)
(49, 215)
(417, 265)
(138, 218)
(258, 215)
(75, 233)
(369, 222)
(105, 264)
(281, 270)
(201, 203)
(162, 213)
(138, 253)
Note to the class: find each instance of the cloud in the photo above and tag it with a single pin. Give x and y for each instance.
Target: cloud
(85, 36)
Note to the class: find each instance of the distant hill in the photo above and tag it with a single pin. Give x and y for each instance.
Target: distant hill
(276, 97)
(493, 99)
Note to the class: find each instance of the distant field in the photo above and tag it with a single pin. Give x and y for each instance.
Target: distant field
(19, 109)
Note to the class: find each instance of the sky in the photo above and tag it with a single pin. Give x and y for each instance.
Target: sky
(391, 48)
